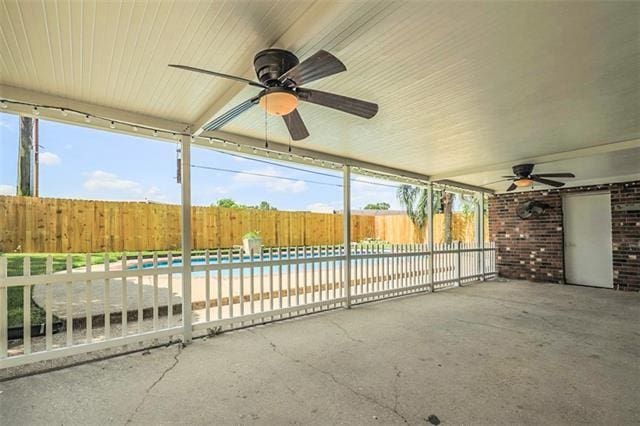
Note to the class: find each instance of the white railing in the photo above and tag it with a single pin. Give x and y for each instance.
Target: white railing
(139, 300)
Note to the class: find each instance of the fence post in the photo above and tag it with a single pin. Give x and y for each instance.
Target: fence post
(185, 187)
(481, 236)
(4, 320)
(430, 235)
(346, 224)
(459, 263)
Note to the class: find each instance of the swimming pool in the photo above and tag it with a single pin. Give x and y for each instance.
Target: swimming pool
(321, 264)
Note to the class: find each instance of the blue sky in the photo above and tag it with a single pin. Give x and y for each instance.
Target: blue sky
(78, 162)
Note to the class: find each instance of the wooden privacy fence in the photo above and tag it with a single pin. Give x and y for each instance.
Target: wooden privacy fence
(399, 229)
(41, 225)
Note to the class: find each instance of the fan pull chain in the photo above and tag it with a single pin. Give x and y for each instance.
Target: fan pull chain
(266, 106)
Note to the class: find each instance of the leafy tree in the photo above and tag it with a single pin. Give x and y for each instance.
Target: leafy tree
(228, 203)
(264, 205)
(377, 206)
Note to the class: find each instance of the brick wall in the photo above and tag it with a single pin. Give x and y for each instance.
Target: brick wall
(532, 249)
(625, 227)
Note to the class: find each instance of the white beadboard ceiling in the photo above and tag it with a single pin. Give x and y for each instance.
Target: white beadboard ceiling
(463, 88)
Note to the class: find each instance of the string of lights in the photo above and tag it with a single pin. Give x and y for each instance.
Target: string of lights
(223, 144)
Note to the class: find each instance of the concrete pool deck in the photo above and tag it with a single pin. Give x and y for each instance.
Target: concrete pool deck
(145, 288)
(493, 353)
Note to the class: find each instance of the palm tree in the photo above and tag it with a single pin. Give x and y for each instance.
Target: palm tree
(446, 200)
(415, 201)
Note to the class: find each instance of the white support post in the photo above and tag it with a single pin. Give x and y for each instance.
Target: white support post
(459, 264)
(346, 229)
(185, 186)
(430, 235)
(4, 309)
(481, 234)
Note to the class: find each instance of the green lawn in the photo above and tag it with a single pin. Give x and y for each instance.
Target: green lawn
(15, 262)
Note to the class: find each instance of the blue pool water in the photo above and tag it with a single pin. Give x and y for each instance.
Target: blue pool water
(200, 260)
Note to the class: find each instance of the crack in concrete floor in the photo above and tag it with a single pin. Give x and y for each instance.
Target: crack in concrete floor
(176, 360)
(344, 331)
(369, 398)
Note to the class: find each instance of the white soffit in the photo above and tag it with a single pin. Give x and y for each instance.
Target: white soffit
(460, 85)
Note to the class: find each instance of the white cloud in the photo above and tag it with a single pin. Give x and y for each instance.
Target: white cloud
(49, 159)
(7, 122)
(7, 190)
(155, 194)
(220, 190)
(321, 208)
(271, 184)
(112, 186)
(363, 193)
(101, 180)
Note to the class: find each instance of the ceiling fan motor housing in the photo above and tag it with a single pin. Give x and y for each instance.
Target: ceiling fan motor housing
(272, 63)
(523, 170)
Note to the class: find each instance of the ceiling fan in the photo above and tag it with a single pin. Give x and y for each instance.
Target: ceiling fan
(524, 177)
(281, 76)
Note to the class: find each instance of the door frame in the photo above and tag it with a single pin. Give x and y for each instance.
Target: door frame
(563, 195)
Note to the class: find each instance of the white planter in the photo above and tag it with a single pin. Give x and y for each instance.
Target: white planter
(252, 244)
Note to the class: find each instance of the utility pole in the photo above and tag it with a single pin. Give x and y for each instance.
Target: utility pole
(26, 157)
(36, 156)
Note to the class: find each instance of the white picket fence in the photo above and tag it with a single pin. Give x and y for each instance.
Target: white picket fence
(140, 300)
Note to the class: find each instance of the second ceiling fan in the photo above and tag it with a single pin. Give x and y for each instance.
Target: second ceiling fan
(523, 177)
(281, 76)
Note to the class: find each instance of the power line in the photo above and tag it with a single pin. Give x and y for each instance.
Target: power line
(265, 175)
(300, 169)
(218, 169)
(280, 165)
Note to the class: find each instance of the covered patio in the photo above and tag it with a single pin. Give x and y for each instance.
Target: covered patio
(507, 352)
(470, 97)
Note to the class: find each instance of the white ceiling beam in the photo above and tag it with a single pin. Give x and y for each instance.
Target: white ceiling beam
(30, 97)
(559, 156)
(320, 15)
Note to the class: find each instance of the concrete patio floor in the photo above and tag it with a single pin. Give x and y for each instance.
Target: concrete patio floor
(492, 353)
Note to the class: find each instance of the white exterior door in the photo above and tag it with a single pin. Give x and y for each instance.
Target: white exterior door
(587, 239)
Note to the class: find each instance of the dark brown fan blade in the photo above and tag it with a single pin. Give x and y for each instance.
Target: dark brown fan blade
(218, 122)
(555, 175)
(219, 74)
(496, 181)
(349, 105)
(319, 65)
(547, 181)
(296, 126)
(512, 187)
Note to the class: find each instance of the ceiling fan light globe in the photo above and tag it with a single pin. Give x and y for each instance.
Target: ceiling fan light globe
(279, 103)
(523, 182)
